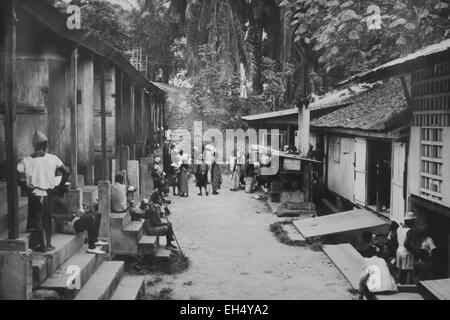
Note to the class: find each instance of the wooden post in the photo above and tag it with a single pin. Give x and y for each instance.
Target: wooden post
(143, 133)
(103, 122)
(10, 121)
(73, 116)
(406, 91)
(288, 135)
(303, 129)
(132, 117)
(104, 207)
(133, 176)
(152, 117)
(122, 117)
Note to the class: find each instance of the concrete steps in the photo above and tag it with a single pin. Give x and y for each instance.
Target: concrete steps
(147, 245)
(88, 264)
(125, 234)
(103, 282)
(130, 288)
(45, 264)
(119, 220)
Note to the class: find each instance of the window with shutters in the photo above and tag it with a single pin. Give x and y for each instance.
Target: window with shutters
(431, 162)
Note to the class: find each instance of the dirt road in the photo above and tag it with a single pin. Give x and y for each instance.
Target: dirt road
(235, 256)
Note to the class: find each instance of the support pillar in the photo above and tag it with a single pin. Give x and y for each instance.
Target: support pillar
(124, 157)
(133, 176)
(304, 129)
(75, 199)
(103, 122)
(104, 207)
(10, 120)
(73, 116)
(145, 169)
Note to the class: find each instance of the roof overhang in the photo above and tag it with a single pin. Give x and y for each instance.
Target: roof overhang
(422, 58)
(54, 20)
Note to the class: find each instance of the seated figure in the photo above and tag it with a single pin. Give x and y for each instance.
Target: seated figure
(153, 226)
(68, 222)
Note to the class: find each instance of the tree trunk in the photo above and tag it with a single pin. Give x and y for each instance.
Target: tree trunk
(256, 33)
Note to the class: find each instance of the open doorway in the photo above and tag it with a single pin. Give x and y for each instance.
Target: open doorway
(379, 176)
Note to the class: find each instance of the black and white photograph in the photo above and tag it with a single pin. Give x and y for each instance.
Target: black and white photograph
(224, 155)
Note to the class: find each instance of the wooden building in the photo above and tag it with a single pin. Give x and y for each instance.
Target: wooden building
(365, 149)
(428, 158)
(93, 105)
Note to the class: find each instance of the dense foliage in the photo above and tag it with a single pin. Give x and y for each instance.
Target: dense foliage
(287, 49)
(345, 36)
(149, 27)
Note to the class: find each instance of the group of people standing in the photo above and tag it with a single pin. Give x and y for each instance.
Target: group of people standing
(178, 169)
(410, 250)
(244, 175)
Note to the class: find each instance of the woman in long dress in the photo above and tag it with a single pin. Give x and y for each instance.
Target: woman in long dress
(235, 173)
(202, 176)
(249, 173)
(184, 179)
(216, 176)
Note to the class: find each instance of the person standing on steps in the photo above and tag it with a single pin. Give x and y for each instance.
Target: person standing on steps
(37, 176)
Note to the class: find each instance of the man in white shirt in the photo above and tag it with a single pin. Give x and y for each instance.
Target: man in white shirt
(375, 278)
(119, 203)
(39, 171)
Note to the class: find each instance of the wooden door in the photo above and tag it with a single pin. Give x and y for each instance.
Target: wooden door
(397, 182)
(360, 156)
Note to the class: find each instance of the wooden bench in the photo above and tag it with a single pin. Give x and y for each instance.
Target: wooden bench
(349, 262)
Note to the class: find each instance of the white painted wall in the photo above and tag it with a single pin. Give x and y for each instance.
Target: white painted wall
(398, 165)
(340, 175)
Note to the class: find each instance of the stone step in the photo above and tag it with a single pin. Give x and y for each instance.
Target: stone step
(86, 262)
(125, 241)
(103, 282)
(147, 245)
(130, 288)
(45, 264)
(119, 220)
(135, 227)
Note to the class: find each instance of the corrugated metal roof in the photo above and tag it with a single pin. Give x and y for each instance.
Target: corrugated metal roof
(373, 110)
(400, 66)
(329, 100)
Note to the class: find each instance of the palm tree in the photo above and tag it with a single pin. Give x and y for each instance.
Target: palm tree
(218, 26)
